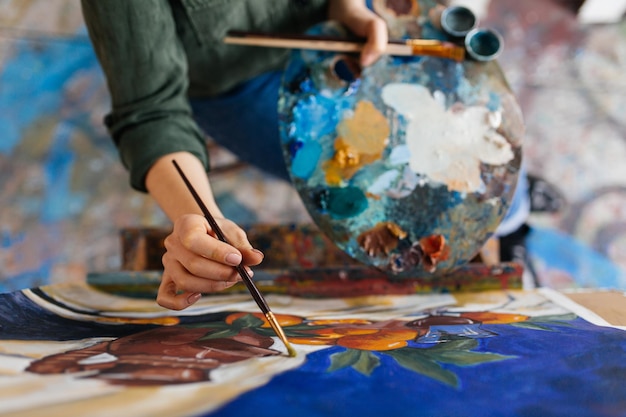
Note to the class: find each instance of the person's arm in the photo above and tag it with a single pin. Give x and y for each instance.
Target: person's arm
(151, 124)
(168, 189)
(146, 72)
(195, 261)
(362, 21)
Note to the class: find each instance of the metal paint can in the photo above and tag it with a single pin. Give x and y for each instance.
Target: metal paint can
(458, 21)
(483, 44)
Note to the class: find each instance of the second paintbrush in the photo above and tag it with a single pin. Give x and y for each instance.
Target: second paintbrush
(247, 280)
(399, 47)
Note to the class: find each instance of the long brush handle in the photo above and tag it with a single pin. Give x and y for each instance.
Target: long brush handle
(254, 291)
(409, 47)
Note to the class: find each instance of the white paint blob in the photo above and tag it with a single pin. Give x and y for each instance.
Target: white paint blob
(98, 359)
(448, 145)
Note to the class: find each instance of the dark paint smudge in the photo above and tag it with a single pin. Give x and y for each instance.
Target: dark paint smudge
(341, 203)
(428, 253)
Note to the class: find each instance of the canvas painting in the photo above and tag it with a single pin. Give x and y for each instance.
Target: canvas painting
(75, 350)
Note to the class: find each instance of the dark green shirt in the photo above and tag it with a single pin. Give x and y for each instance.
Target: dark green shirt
(157, 53)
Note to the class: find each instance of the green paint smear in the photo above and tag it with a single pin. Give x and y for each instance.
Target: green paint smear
(343, 203)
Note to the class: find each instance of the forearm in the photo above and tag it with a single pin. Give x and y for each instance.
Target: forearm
(168, 189)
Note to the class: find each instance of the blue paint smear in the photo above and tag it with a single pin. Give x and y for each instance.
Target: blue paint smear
(466, 92)
(32, 83)
(9, 240)
(33, 80)
(315, 117)
(32, 278)
(59, 202)
(564, 372)
(587, 267)
(305, 161)
(494, 102)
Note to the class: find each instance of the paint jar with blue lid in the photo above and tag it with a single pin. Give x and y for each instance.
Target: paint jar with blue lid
(458, 21)
(483, 44)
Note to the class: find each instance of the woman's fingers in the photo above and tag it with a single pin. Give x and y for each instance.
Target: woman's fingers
(191, 234)
(198, 274)
(170, 296)
(377, 38)
(196, 262)
(179, 289)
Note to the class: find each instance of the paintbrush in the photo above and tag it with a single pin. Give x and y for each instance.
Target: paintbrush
(254, 291)
(399, 47)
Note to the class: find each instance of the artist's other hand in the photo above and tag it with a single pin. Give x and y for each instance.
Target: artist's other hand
(197, 262)
(362, 21)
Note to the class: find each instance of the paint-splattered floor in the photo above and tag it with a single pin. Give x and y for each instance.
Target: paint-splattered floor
(64, 195)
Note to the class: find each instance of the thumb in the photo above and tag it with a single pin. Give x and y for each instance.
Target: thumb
(377, 38)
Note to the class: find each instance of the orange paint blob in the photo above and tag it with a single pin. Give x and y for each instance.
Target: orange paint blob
(435, 250)
(385, 339)
(330, 322)
(313, 341)
(368, 131)
(488, 317)
(336, 332)
(161, 321)
(330, 335)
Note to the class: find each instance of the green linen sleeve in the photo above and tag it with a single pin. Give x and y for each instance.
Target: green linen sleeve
(146, 72)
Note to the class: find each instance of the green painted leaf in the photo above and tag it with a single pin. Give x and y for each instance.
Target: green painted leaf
(247, 321)
(554, 318)
(362, 361)
(414, 360)
(221, 334)
(463, 343)
(211, 325)
(343, 359)
(466, 358)
(532, 326)
(292, 333)
(366, 363)
(544, 322)
(552, 323)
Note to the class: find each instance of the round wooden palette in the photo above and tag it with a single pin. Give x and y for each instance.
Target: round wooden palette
(409, 165)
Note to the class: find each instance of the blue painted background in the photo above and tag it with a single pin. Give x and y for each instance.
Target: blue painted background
(64, 194)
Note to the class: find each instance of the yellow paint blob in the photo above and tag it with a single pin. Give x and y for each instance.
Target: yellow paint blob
(367, 131)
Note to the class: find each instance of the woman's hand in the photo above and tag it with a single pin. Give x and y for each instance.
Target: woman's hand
(197, 262)
(362, 21)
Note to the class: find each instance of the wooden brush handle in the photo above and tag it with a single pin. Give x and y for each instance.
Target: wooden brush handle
(409, 47)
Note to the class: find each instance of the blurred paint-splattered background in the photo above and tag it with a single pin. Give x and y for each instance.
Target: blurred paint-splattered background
(64, 196)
